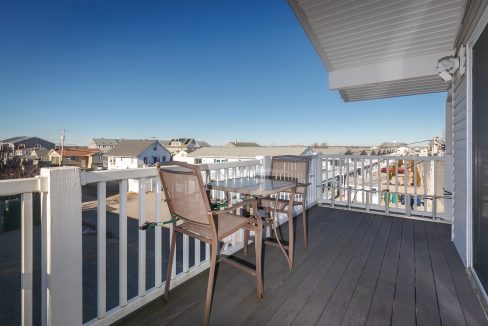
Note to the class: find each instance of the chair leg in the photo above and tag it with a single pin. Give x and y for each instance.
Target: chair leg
(305, 224)
(258, 243)
(211, 279)
(170, 265)
(246, 241)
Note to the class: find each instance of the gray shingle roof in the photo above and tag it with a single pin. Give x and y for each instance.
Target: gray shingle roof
(248, 152)
(106, 141)
(14, 140)
(203, 143)
(131, 148)
(240, 144)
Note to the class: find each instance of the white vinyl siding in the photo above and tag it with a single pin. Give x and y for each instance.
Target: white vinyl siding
(459, 134)
(474, 10)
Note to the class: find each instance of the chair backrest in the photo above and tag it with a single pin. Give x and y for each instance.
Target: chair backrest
(291, 167)
(185, 192)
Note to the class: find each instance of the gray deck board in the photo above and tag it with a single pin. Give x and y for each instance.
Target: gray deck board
(335, 309)
(425, 292)
(358, 308)
(467, 298)
(404, 302)
(359, 269)
(450, 309)
(380, 310)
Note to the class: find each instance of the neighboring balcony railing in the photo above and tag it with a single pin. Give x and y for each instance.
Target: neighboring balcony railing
(411, 186)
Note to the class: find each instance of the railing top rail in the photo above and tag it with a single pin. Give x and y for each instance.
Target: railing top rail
(114, 175)
(228, 165)
(149, 172)
(385, 157)
(20, 186)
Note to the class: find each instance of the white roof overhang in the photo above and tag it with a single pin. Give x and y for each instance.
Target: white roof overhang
(381, 48)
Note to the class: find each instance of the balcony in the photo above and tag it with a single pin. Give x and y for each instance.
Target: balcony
(371, 258)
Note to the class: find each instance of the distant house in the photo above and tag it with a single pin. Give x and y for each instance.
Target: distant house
(21, 146)
(85, 158)
(241, 144)
(177, 145)
(424, 151)
(181, 156)
(132, 154)
(104, 144)
(38, 155)
(232, 154)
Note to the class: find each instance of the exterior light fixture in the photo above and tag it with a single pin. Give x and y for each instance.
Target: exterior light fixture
(447, 67)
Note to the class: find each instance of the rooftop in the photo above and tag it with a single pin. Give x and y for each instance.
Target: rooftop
(240, 144)
(248, 152)
(77, 151)
(131, 147)
(106, 141)
(339, 149)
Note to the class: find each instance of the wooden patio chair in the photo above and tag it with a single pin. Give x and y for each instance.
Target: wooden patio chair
(189, 206)
(294, 168)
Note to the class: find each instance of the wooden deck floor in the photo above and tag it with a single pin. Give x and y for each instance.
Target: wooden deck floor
(359, 269)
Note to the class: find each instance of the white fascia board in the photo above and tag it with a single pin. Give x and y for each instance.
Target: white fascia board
(387, 71)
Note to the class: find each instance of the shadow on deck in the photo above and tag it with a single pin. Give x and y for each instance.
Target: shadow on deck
(359, 269)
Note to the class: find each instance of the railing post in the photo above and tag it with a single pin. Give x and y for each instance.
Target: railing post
(434, 207)
(333, 194)
(348, 197)
(408, 208)
(387, 202)
(368, 195)
(266, 165)
(318, 178)
(63, 259)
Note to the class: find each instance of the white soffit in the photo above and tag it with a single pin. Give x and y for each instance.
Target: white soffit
(381, 48)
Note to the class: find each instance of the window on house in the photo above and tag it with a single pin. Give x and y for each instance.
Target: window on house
(164, 158)
(145, 159)
(198, 161)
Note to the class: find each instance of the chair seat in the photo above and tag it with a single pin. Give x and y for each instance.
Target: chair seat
(227, 224)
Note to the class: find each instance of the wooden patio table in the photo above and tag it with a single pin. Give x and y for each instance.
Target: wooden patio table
(257, 187)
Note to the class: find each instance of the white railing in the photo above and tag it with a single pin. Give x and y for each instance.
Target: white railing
(215, 171)
(62, 239)
(25, 188)
(409, 186)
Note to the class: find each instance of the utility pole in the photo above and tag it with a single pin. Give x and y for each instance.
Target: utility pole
(62, 148)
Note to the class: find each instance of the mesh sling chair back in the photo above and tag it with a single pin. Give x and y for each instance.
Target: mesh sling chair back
(291, 168)
(189, 206)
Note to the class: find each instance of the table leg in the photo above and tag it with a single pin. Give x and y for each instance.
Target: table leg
(291, 233)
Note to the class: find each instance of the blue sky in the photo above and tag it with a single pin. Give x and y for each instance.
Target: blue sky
(213, 70)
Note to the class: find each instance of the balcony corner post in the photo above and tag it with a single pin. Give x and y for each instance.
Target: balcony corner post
(318, 186)
(62, 262)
